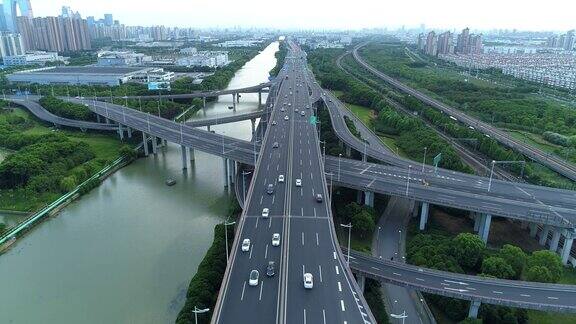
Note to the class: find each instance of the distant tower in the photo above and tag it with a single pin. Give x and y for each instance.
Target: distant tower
(9, 13)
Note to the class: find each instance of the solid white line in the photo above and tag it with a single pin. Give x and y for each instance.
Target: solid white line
(302, 238)
(342, 305)
(324, 315)
(314, 210)
(337, 271)
(243, 287)
(273, 199)
(524, 295)
(497, 292)
(257, 218)
(302, 211)
(270, 222)
(261, 197)
(266, 252)
(261, 286)
(320, 271)
(334, 255)
(553, 298)
(317, 240)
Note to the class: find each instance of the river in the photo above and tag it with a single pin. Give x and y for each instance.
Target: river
(125, 252)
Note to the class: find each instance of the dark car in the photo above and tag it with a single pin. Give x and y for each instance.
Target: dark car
(270, 189)
(271, 269)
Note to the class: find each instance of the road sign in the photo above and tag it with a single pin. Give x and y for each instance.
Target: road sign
(437, 159)
(313, 120)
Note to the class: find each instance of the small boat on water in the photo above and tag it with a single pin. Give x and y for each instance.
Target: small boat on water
(170, 182)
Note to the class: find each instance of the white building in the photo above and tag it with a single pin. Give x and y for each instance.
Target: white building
(117, 58)
(32, 58)
(212, 59)
(11, 45)
(189, 51)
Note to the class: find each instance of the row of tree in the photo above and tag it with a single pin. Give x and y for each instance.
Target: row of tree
(67, 109)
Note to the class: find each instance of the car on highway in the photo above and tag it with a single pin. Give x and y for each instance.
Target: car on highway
(308, 281)
(275, 145)
(246, 245)
(265, 212)
(254, 275)
(282, 109)
(281, 178)
(302, 113)
(295, 109)
(318, 197)
(286, 118)
(289, 104)
(307, 106)
(270, 189)
(276, 239)
(273, 122)
(298, 182)
(271, 269)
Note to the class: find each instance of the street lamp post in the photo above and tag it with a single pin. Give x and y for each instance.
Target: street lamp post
(424, 160)
(339, 158)
(491, 173)
(244, 174)
(226, 224)
(349, 226)
(408, 179)
(199, 311)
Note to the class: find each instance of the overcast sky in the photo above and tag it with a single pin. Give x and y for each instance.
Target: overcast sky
(329, 14)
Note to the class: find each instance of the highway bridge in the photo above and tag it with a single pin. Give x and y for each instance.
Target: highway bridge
(305, 225)
(555, 163)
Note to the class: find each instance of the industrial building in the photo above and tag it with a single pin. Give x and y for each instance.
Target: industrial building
(92, 75)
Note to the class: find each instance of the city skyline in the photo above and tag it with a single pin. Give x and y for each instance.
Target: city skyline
(443, 14)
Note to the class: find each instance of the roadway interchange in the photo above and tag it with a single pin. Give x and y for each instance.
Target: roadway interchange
(539, 296)
(308, 242)
(555, 163)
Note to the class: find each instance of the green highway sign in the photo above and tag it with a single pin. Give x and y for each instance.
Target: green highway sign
(437, 159)
(313, 120)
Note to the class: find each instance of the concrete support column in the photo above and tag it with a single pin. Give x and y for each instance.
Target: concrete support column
(232, 171)
(348, 151)
(145, 143)
(523, 225)
(259, 99)
(533, 230)
(253, 123)
(544, 235)
(555, 239)
(476, 222)
(487, 219)
(203, 102)
(129, 132)
(369, 198)
(98, 118)
(361, 280)
(121, 132)
(364, 157)
(225, 162)
(474, 306)
(154, 145)
(107, 120)
(359, 197)
(192, 155)
(566, 249)
(234, 101)
(208, 128)
(424, 215)
(184, 158)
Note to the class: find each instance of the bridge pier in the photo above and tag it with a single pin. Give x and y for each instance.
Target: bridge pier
(555, 239)
(486, 221)
(348, 151)
(203, 102)
(369, 198)
(98, 118)
(361, 280)
(121, 132)
(145, 143)
(253, 123)
(232, 167)
(154, 145)
(473, 311)
(208, 128)
(477, 219)
(129, 131)
(225, 162)
(192, 155)
(568, 240)
(424, 215)
(364, 157)
(533, 230)
(544, 235)
(234, 101)
(184, 158)
(359, 197)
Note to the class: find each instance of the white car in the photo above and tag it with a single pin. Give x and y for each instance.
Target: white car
(273, 122)
(308, 281)
(281, 178)
(246, 245)
(298, 182)
(276, 239)
(286, 118)
(265, 212)
(254, 275)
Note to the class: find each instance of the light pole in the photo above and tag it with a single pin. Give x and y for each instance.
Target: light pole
(244, 174)
(400, 316)
(491, 173)
(349, 226)
(424, 160)
(226, 224)
(255, 156)
(339, 158)
(408, 179)
(199, 311)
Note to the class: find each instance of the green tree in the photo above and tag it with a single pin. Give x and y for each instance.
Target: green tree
(128, 152)
(515, 257)
(497, 267)
(68, 183)
(363, 223)
(539, 274)
(467, 249)
(547, 259)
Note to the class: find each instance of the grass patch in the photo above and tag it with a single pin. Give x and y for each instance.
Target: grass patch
(390, 142)
(533, 140)
(365, 114)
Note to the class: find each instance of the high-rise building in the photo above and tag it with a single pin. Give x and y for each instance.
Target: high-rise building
(475, 44)
(11, 44)
(108, 20)
(431, 44)
(463, 42)
(445, 43)
(9, 13)
(569, 40)
(55, 34)
(421, 42)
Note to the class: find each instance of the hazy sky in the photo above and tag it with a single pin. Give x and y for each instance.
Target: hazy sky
(349, 14)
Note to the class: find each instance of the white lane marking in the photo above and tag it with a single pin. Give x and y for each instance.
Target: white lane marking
(257, 218)
(314, 210)
(270, 222)
(268, 167)
(324, 316)
(266, 252)
(320, 271)
(524, 295)
(317, 240)
(302, 211)
(342, 305)
(334, 255)
(396, 274)
(497, 292)
(420, 279)
(456, 282)
(337, 270)
(554, 298)
(302, 238)
(304, 315)
(261, 286)
(277, 166)
(251, 249)
(273, 199)
(243, 287)
(303, 270)
(375, 268)
(261, 197)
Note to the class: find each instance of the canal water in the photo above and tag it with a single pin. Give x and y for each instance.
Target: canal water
(125, 252)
